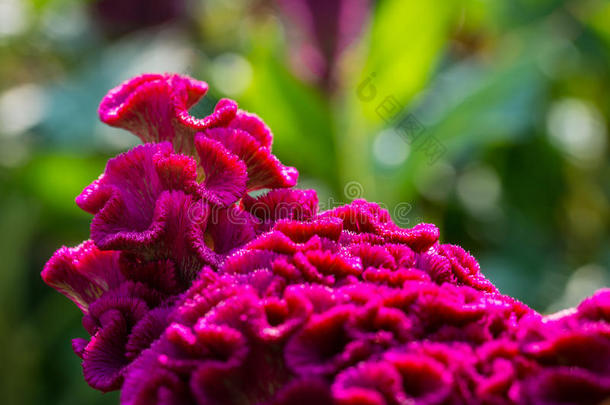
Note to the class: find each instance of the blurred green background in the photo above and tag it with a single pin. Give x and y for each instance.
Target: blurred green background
(514, 95)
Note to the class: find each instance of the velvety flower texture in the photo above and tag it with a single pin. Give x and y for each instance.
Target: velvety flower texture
(196, 292)
(162, 211)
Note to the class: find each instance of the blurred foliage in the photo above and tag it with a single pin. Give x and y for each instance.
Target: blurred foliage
(516, 93)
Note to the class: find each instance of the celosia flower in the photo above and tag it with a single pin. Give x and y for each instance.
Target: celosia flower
(159, 203)
(160, 215)
(194, 292)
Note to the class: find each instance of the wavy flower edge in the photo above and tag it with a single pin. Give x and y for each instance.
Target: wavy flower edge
(190, 285)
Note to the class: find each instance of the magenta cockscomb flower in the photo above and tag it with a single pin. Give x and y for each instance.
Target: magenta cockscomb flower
(161, 211)
(195, 292)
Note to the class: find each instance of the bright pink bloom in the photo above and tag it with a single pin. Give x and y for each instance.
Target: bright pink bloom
(162, 211)
(195, 292)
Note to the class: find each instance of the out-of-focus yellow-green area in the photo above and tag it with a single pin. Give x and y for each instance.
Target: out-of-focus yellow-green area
(514, 97)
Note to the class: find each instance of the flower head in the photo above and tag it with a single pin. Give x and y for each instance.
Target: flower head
(161, 211)
(195, 292)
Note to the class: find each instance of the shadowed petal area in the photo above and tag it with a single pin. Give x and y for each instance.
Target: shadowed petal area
(399, 378)
(304, 392)
(155, 383)
(264, 169)
(283, 203)
(159, 275)
(225, 175)
(146, 203)
(222, 231)
(368, 384)
(111, 319)
(83, 273)
(566, 386)
(147, 330)
(229, 229)
(103, 357)
(424, 379)
(124, 198)
(323, 346)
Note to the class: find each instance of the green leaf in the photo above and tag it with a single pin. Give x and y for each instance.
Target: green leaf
(406, 40)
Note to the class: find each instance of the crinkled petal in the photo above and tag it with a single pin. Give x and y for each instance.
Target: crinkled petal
(155, 108)
(596, 307)
(147, 330)
(124, 199)
(369, 384)
(252, 124)
(424, 379)
(465, 268)
(160, 275)
(225, 175)
(115, 315)
(363, 217)
(224, 230)
(264, 169)
(104, 357)
(323, 346)
(149, 383)
(83, 273)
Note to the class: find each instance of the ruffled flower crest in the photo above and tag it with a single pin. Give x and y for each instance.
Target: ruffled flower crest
(161, 211)
(195, 292)
(157, 199)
